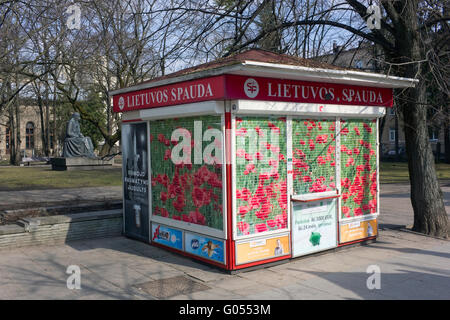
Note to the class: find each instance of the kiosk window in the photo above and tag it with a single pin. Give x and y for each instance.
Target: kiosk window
(261, 193)
(186, 161)
(313, 155)
(358, 167)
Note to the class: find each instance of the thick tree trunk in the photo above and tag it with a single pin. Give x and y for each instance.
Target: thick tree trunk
(426, 196)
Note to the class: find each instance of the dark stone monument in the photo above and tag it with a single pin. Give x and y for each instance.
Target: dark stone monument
(78, 151)
(75, 144)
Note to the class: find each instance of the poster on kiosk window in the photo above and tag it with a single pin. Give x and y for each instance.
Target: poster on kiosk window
(313, 226)
(135, 180)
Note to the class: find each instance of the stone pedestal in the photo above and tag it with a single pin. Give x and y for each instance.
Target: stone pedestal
(80, 163)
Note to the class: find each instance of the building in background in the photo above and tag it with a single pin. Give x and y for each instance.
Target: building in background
(30, 133)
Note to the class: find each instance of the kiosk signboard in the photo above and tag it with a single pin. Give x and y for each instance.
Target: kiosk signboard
(313, 226)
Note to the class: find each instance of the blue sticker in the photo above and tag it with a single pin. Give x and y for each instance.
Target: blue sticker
(204, 247)
(167, 236)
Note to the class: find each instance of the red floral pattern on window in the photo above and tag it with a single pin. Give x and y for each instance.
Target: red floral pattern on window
(358, 167)
(261, 191)
(313, 155)
(186, 192)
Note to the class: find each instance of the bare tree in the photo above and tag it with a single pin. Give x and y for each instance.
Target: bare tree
(406, 39)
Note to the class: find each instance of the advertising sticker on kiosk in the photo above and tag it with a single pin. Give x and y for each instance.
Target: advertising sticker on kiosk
(357, 230)
(313, 226)
(167, 236)
(135, 180)
(205, 247)
(261, 249)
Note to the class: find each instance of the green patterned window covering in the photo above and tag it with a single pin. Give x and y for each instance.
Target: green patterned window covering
(358, 167)
(261, 191)
(313, 155)
(187, 184)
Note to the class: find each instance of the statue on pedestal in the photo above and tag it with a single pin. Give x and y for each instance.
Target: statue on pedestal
(75, 144)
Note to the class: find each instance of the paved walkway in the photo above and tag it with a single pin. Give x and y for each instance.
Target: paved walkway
(412, 266)
(396, 208)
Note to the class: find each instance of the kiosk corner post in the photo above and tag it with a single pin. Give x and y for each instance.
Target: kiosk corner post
(230, 240)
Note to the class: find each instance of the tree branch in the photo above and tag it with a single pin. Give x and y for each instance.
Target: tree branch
(381, 41)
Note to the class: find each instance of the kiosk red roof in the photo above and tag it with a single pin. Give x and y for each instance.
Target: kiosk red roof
(257, 55)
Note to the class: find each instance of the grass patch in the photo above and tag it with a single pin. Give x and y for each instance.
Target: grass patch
(397, 172)
(34, 178)
(29, 178)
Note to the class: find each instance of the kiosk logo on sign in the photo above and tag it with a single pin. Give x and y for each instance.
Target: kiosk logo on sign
(251, 88)
(121, 103)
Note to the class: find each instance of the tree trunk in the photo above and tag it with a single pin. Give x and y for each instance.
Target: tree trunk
(426, 195)
(47, 123)
(397, 154)
(447, 136)
(272, 40)
(43, 125)
(106, 148)
(17, 155)
(12, 138)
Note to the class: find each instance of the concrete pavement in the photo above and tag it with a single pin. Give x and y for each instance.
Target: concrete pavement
(396, 208)
(412, 267)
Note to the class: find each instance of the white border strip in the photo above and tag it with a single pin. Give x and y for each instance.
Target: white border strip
(184, 110)
(306, 109)
(224, 178)
(233, 174)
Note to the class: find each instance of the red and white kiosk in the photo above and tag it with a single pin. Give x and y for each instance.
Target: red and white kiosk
(253, 158)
